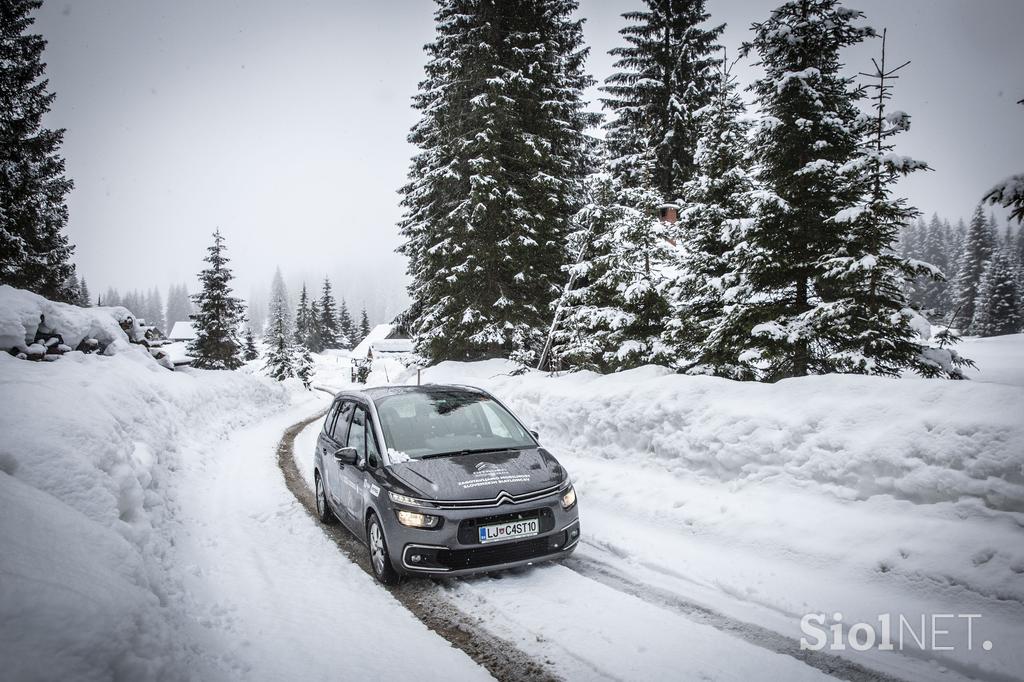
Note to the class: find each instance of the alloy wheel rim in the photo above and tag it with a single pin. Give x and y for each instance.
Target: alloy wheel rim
(319, 497)
(377, 548)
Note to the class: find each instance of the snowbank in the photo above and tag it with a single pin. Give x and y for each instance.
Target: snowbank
(19, 320)
(856, 437)
(87, 502)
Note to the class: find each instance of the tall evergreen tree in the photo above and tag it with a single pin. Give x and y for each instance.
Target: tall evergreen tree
(280, 362)
(279, 297)
(978, 246)
(154, 308)
(315, 341)
(666, 74)
(34, 251)
(303, 321)
(501, 157)
(328, 327)
(715, 202)
(179, 305)
(997, 307)
(218, 314)
(364, 325)
(808, 134)
(346, 329)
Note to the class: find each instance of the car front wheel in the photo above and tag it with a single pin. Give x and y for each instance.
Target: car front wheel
(380, 560)
(323, 512)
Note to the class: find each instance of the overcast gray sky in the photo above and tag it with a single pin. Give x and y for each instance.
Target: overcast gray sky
(284, 123)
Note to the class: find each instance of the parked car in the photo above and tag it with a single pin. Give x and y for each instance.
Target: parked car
(441, 480)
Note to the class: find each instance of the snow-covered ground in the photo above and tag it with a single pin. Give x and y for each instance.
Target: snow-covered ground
(146, 533)
(763, 503)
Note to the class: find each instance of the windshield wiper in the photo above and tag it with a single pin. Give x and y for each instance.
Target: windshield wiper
(470, 451)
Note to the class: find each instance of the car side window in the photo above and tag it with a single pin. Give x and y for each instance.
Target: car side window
(357, 434)
(372, 451)
(329, 420)
(340, 427)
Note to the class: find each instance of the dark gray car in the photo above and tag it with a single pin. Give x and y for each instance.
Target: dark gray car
(441, 480)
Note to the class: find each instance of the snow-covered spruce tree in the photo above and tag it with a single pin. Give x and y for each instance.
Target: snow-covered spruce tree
(809, 131)
(314, 341)
(978, 246)
(251, 352)
(613, 314)
(665, 75)
(83, 294)
(364, 325)
(932, 293)
(997, 308)
(328, 327)
(303, 321)
(304, 366)
(345, 326)
(280, 362)
(34, 251)
(279, 297)
(501, 155)
(865, 322)
(715, 202)
(218, 314)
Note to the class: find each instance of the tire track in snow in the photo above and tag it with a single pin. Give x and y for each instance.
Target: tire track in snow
(827, 663)
(422, 597)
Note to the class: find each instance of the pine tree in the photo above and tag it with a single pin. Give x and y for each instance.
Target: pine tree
(84, 299)
(34, 251)
(666, 74)
(808, 133)
(364, 325)
(933, 292)
(303, 322)
(716, 201)
(314, 341)
(280, 362)
(997, 307)
(279, 297)
(867, 326)
(251, 352)
(328, 327)
(112, 297)
(304, 366)
(501, 156)
(346, 332)
(154, 309)
(218, 314)
(978, 246)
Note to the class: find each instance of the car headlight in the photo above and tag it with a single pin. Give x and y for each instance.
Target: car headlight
(416, 520)
(405, 499)
(569, 498)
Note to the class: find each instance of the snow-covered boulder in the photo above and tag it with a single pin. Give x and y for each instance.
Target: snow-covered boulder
(20, 313)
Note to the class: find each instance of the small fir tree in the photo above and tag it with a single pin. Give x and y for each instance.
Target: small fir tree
(364, 326)
(218, 314)
(83, 294)
(303, 321)
(304, 366)
(251, 351)
(328, 327)
(346, 330)
(280, 362)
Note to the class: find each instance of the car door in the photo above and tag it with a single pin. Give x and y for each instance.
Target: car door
(325, 443)
(352, 476)
(333, 482)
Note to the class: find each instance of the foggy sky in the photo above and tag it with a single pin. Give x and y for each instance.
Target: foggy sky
(284, 124)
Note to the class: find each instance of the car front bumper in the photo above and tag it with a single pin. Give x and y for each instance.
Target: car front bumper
(454, 549)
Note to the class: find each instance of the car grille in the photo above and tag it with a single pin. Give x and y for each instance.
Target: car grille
(498, 500)
(493, 555)
(469, 535)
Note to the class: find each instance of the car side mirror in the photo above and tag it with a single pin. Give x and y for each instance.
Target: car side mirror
(346, 456)
(535, 434)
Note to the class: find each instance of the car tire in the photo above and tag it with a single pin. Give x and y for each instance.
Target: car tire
(323, 510)
(380, 559)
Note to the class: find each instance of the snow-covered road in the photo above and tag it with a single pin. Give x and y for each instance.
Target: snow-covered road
(278, 598)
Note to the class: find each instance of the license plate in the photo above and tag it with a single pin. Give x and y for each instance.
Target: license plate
(523, 528)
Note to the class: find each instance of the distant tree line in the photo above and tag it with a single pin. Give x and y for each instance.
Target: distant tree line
(982, 288)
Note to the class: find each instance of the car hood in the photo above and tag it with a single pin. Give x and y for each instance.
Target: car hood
(480, 476)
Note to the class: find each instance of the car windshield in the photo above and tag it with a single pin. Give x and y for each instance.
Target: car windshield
(420, 424)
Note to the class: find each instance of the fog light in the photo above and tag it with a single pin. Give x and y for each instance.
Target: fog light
(416, 558)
